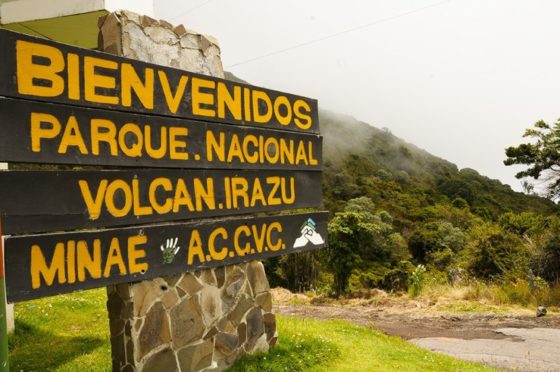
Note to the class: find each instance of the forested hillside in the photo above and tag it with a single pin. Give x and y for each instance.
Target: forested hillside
(399, 214)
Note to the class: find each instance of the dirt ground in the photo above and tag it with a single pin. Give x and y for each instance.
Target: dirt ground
(507, 338)
(412, 319)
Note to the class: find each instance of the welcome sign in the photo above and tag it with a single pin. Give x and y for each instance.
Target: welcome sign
(184, 150)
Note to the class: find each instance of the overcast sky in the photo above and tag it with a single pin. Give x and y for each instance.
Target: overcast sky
(460, 78)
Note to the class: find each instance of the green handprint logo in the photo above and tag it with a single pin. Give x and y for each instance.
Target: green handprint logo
(170, 250)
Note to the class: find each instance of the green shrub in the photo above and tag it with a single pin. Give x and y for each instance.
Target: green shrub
(417, 281)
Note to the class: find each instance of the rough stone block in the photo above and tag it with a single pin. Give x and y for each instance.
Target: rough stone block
(242, 307)
(186, 322)
(220, 273)
(260, 346)
(101, 20)
(172, 279)
(161, 35)
(208, 277)
(264, 300)
(211, 333)
(170, 298)
(155, 331)
(116, 326)
(257, 277)
(131, 16)
(117, 307)
(163, 360)
(190, 41)
(146, 293)
(211, 304)
(180, 30)
(166, 24)
(118, 353)
(255, 328)
(146, 21)
(226, 343)
(269, 325)
(196, 357)
(242, 333)
(190, 284)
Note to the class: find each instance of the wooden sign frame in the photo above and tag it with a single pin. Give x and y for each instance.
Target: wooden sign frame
(50, 264)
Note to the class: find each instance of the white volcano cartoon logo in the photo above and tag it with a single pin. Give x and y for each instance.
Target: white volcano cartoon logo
(308, 235)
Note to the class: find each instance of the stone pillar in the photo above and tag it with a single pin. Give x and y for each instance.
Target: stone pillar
(193, 321)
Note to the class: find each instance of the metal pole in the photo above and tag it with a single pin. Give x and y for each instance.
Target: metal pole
(4, 364)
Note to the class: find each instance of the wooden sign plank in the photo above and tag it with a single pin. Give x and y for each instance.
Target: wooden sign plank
(50, 264)
(39, 132)
(41, 201)
(44, 70)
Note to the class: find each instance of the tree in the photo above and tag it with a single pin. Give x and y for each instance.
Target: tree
(348, 232)
(358, 237)
(542, 156)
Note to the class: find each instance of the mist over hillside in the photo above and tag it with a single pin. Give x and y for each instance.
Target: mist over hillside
(358, 155)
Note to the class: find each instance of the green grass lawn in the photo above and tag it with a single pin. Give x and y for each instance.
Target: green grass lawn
(335, 345)
(62, 333)
(71, 333)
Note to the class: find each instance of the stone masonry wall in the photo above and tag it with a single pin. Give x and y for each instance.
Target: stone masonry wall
(193, 321)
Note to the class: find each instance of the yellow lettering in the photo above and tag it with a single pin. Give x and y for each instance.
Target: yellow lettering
(213, 147)
(114, 257)
(182, 197)
(94, 80)
(235, 150)
(225, 99)
(175, 144)
(262, 97)
(88, 262)
(27, 72)
(282, 101)
(110, 198)
(135, 253)
(258, 193)
(302, 112)
(195, 248)
(72, 137)
(103, 131)
(222, 253)
(274, 246)
(239, 188)
(40, 269)
(156, 153)
(241, 251)
(200, 98)
(139, 210)
(164, 183)
(275, 182)
(38, 131)
(130, 81)
(204, 193)
(135, 148)
(73, 69)
(93, 206)
(173, 101)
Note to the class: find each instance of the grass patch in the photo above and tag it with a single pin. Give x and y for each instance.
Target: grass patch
(71, 333)
(62, 333)
(315, 345)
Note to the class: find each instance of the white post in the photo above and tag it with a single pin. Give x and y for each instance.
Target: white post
(10, 307)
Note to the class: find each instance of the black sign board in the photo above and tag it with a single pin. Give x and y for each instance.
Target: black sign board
(51, 264)
(38, 132)
(39, 69)
(42, 201)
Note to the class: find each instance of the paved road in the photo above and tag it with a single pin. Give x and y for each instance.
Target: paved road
(524, 349)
